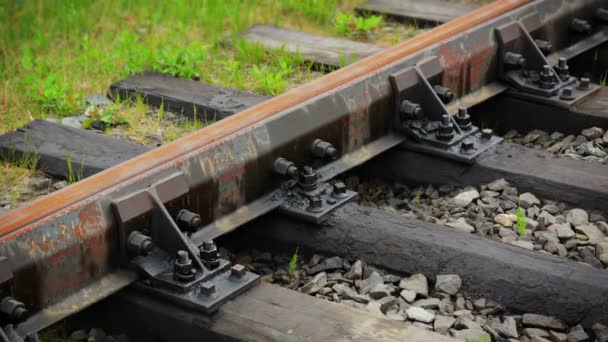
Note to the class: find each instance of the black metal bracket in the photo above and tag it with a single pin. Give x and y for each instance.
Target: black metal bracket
(170, 264)
(522, 64)
(306, 196)
(421, 114)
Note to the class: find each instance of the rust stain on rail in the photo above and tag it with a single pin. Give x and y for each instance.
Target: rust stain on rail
(47, 208)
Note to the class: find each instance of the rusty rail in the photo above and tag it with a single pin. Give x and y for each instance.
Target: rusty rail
(66, 245)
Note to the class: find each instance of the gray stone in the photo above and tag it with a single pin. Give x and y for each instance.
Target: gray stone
(387, 302)
(577, 217)
(498, 185)
(408, 295)
(356, 271)
(329, 264)
(523, 244)
(381, 290)
(555, 336)
(471, 335)
(97, 100)
(564, 232)
(419, 314)
(60, 185)
(594, 234)
(443, 323)
(506, 220)
(315, 284)
(546, 235)
(577, 334)
(466, 323)
(391, 278)
(549, 219)
(417, 283)
(600, 330)
(531, 332)
(479, 304)
(508, 328)
(448, 283)
(601, 251)
(461, 225)
(592, 133)
(465, 198)
(551, 209)
(348, 293)
(540, 321)
(427, 303)
(527, 200)
(366, 285)
(39, 183)
(539, 339)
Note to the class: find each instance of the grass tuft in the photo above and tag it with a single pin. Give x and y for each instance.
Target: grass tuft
(293, 264)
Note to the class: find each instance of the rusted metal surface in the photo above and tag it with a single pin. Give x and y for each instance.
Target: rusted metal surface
(61, 243)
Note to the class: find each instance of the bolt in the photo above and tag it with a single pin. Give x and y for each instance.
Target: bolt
(188, 221)
(182, 267)
(444, 93)
(339, 190)
(467, 146)
(514, 60)
(139, 244)
(446, 129)
(308, 179)
(583, 83)
(284, 167)
(547, 78)
(316, 204)
(12, 310)
(602, 14)
(486, 134)
(331, 201)
(463, 119)
(238, 272)
(580, 26)
(567, 94)
(324, 150)
(207, 288)
(544, 46)
(410, 110)
(562, 68)
(209, 254)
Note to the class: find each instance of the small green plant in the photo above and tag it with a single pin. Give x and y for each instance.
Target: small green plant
(417, 197)
(103, 117)
(181, 62)
(270, 82)
(349, 25)
(73, 176)
(484, 338)
(521, 221)
(604, 79)
(293, 264)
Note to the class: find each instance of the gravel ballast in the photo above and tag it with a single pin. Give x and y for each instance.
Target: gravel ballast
(433, 303)
(490, 210)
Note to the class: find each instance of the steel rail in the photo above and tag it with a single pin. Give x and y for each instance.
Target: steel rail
(61, 247)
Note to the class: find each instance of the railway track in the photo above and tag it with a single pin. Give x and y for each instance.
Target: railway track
(173, 244)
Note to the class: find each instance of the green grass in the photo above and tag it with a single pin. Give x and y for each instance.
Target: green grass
(74, 175)
(55, 53)
(349, 25)
(604, 79)
(293, 264)
(521, 221)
